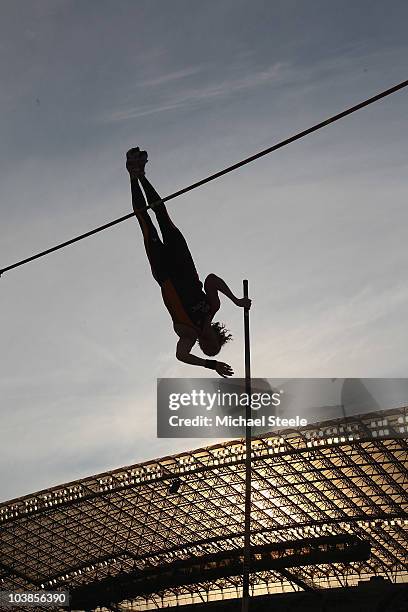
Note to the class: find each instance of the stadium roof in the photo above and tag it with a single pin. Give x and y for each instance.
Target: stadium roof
(336, 478)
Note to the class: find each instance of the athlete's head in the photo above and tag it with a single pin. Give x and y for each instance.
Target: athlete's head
(212, 342)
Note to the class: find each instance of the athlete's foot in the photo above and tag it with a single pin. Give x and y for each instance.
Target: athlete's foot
(135, 162)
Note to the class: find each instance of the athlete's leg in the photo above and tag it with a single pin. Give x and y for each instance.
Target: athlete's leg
(154, 247)
(178, 251)
(165, 223)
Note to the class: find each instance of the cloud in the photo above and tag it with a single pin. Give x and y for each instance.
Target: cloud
(199, 95)
(169, 77)
(335, 70)
(336, 335)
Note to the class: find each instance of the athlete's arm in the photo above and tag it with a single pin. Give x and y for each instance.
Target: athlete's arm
(214, 284)
(183, 353)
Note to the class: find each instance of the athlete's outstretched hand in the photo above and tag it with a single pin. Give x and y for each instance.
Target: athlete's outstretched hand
(223, 369)
(244, 302)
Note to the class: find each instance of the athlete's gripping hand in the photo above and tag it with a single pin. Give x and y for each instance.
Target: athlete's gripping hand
(244, 302)
(223, 369)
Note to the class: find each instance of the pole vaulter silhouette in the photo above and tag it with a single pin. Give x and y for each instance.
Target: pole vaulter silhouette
(192, 305)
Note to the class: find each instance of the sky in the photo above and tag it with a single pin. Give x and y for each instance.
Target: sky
(318, 228)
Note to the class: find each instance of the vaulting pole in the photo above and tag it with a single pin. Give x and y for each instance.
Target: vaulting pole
(247, 536)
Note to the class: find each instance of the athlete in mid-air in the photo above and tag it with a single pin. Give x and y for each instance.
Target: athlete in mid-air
(191, 305)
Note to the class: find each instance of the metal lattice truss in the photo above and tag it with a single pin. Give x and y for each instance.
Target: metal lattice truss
(336, 477)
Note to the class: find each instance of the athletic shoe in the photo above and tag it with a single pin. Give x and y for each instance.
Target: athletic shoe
(136, 161)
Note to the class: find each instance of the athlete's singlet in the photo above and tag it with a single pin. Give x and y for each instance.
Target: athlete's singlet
(186, 302)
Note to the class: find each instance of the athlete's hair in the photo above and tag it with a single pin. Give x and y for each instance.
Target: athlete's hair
(223, 336)
(222, 332)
